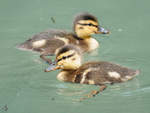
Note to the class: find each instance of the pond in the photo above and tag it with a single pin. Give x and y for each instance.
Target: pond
(26, 88)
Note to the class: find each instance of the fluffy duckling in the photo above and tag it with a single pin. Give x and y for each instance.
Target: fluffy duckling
(47, 42)
(68, 59)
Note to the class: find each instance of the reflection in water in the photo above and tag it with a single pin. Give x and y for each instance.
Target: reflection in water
(124, 89)
(70, 90)
(137, 91)
(74, 92)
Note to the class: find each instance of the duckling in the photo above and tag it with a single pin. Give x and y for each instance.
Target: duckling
(69, 58)
(47, 42)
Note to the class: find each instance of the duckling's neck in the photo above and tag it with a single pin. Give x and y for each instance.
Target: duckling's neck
(91, 43)
(66, 75)
(88, 43)
(76, 37)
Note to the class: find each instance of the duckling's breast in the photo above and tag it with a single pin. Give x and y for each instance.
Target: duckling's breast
(89, 44)
(66, 76)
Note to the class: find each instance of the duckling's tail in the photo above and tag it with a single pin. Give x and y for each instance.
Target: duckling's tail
(131, 75)
(137, 72)
(24, 46)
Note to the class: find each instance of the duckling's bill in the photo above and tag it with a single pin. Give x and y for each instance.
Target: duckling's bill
(53, 66)
(102, 31)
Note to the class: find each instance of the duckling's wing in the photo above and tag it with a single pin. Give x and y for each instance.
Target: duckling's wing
(104, 72)
(47, 41)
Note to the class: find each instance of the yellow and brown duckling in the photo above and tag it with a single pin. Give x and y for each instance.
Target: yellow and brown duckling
(47, 42)
(68, 59)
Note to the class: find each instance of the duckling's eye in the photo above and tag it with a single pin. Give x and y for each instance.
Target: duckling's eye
(90, 24)
(64, 57)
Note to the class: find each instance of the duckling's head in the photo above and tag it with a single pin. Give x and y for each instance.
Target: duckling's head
(86, 24)
(67, 58)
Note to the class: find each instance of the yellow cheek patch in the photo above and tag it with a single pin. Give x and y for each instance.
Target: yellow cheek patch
(85, 28)
(69, 63)
(85, 31)
(88, 21)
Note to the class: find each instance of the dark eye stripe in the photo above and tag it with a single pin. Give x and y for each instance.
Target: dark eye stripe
(90, 24)
(64, 57)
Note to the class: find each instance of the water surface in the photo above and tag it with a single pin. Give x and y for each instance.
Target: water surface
(25, 88)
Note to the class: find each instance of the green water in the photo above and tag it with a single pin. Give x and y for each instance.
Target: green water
(25, 88)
